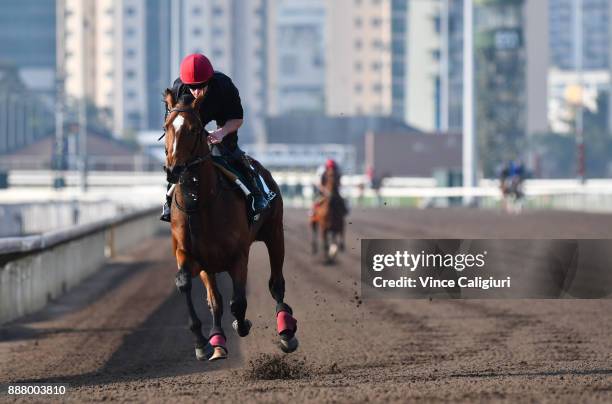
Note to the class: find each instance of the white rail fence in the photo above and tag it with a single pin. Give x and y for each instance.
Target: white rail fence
(37, 269)
(297, 188)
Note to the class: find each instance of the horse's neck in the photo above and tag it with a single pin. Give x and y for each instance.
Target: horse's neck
(209, 185)
(332, 184)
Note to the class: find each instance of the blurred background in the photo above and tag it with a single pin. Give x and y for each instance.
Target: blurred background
(412, 97)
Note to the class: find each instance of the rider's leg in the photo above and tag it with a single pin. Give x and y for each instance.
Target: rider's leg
(259, 201)
(165, 216)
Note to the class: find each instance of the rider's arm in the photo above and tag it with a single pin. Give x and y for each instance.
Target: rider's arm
(232, 109)
(230, 126)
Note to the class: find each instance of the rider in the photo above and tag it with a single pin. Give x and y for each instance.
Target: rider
(220, 102)
(321, 174)
(330, 166)
(512, 176)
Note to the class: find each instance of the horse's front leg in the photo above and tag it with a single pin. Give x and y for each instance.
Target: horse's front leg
(325, 235)
(286, 324)
(186, 267)
(238, 304)
(216, 337)
(341, 244)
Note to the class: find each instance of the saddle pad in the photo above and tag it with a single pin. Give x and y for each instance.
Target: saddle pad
(222, 162)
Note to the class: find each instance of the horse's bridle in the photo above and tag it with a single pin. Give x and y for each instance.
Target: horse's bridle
(196, 159)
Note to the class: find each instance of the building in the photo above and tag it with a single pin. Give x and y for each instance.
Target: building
(500, 84)
(105, 153)
(250, 67)
(596, 22)
(24, 114)
(27, 71)
(453, 102)
(358, 57)
(297, 57)
(422, 105)
(121, 55)
(399, 42)
(233, 35)
(27, 42)
(596, 55)
(104, 59)
(299, 130)
(410, 154)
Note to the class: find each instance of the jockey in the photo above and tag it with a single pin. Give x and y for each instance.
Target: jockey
(220, 103)
(330, 166)
(320, 191)
(512, 175)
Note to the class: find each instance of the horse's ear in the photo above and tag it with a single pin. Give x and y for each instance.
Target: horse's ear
(169, 98)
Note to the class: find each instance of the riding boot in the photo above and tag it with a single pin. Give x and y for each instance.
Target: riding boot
(165, 216)
(258, 201)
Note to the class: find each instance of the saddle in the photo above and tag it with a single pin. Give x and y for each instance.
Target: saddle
(238, 180)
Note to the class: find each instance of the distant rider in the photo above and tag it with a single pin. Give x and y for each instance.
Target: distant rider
(512, 177)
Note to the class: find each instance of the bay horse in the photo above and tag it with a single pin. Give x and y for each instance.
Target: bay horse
(211, 232)
(328, 218)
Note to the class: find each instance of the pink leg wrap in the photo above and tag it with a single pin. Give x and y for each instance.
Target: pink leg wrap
(217, 340)
(285, 322)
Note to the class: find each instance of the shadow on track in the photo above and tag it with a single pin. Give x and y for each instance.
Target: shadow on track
(159, 347)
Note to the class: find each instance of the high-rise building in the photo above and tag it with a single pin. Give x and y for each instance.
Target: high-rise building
(250, 47)
(105, 59)
(596, 22)
(507, 63)
(422, 107)
(297, 56)
(595, 60)
(358, 57)
(121, 54)
(27, 42)
(27, 71)
(232, 34)
(399, 61)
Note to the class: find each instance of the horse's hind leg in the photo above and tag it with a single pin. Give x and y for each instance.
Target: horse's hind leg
(341, 239)
(238, 304)
(183, 283)
(315, 242)
(216, 337)
(285, 322)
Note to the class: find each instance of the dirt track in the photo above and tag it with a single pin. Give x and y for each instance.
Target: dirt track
(122, 335)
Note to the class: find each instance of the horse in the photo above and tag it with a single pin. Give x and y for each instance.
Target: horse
(211, 232)
(328, 216)
(512, 194)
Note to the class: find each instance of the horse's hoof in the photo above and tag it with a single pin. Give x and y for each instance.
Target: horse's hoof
(333, 250)
(244, 331)
(289, 345)
(218, 353)
(204, 352)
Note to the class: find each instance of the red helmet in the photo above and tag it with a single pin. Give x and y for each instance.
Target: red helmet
(330, 163)
(196, 69)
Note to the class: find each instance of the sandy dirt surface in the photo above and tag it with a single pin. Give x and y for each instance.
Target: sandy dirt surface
(122, 334)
